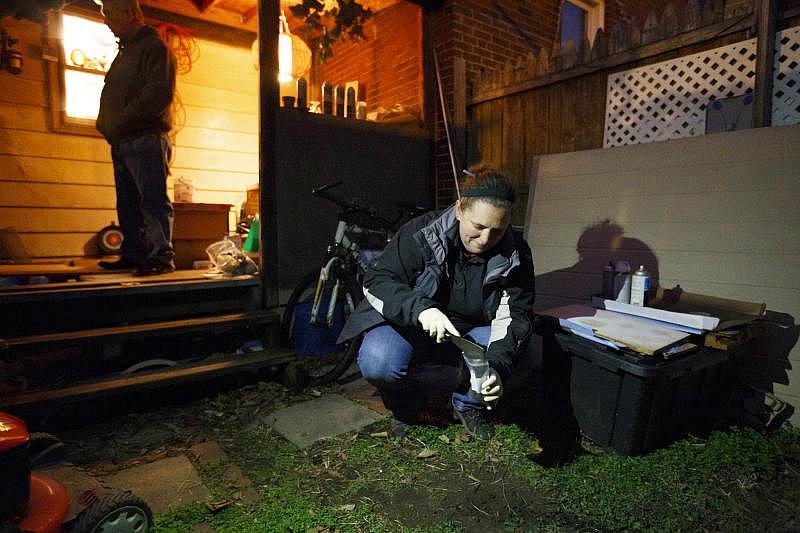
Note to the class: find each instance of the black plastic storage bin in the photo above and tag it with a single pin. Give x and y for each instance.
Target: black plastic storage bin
(634, 404)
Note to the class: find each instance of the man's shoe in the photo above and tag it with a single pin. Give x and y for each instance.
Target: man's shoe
(155, 268)
(119, 264)
(475, 423)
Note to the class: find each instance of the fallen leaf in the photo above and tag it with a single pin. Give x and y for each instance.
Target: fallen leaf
(217, 506)
(461, 437)
(444, 438)
(427, 452)
(347, 507)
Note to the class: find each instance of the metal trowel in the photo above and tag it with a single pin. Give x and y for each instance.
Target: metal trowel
(475, 357)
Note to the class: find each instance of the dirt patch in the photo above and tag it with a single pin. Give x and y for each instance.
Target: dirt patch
(473, 503)
(134, 438)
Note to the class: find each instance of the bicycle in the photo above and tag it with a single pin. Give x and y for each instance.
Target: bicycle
(323, 299)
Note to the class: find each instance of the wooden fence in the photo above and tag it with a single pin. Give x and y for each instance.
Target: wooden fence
(554, 101)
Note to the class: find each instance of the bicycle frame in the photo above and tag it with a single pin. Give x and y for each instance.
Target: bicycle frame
(343, 252)
(338, 252)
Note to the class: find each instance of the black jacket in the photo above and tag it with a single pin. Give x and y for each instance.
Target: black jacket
(404, 279)
(139, 88)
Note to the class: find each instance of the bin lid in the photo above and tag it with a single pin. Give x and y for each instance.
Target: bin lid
(643, 366)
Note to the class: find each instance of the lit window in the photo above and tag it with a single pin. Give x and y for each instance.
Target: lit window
(89, 49)
(579, 19)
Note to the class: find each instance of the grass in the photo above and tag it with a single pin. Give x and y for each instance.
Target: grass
(438, 480)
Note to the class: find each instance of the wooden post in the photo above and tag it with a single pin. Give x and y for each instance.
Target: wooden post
(269, 93)
(765, 52)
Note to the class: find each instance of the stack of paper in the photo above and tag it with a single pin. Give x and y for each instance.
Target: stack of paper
(618, 329)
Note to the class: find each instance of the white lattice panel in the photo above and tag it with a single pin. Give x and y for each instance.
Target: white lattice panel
(786, 83)
(668, 100)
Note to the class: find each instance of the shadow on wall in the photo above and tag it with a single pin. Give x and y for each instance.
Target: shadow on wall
(598, 244)
(764, 363)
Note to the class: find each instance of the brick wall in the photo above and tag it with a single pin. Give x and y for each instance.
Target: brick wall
(387, 65)
(478, 32)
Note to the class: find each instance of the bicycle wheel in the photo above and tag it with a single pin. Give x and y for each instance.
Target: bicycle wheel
(324, 360)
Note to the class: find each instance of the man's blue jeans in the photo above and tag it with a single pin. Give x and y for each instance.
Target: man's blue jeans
(145, 212)
(405, 362)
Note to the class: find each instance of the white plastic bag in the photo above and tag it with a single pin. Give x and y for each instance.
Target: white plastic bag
(228, 260)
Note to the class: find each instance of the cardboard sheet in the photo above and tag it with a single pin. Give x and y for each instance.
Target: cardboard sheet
(638, 334)
(730, 312)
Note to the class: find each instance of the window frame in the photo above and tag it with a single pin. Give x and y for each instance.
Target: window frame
(595, 17)
(56, 60)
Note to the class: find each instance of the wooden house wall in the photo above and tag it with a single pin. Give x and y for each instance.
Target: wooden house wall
(715, 214)
(57, 190)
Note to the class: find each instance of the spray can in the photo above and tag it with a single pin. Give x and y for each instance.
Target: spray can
(302, 94)
(608, 281)
(622, 282)
(640, 286)
(327, 99)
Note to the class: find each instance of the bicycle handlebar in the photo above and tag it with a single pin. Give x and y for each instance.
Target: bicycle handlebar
(352, 205)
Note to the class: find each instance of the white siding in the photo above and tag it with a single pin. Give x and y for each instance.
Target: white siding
(717, 214)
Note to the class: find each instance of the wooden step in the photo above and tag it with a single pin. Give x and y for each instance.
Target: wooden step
(74, 307)
(115, 282)
(205, 323)
(119, 385)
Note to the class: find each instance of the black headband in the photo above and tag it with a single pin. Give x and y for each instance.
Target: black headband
(498, 193)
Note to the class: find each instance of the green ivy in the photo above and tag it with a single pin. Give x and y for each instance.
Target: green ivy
(348, 19)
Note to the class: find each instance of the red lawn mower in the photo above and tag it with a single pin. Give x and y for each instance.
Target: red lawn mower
(35, 503)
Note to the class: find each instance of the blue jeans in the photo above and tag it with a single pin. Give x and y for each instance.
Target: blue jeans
(404, 362)
(145, 213)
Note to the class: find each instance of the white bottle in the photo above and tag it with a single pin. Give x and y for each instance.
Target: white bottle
(640, 285)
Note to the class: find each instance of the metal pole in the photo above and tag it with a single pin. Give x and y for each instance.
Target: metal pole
(453, 164)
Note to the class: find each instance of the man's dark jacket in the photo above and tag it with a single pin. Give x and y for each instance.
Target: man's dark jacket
(138, 90)
(404, 279)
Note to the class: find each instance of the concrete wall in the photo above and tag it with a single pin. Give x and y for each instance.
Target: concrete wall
(379, 165)
(717, 215)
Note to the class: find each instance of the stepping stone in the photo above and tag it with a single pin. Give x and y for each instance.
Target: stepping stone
(305, 423)
(206, 452)
(170, 482)
(362, 392)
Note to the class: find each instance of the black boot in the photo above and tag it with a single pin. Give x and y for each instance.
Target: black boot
(475, 423)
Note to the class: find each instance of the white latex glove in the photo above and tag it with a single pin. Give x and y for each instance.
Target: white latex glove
(437, 324)
(491, 387)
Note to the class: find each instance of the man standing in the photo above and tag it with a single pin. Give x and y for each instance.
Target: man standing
(135, 117)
